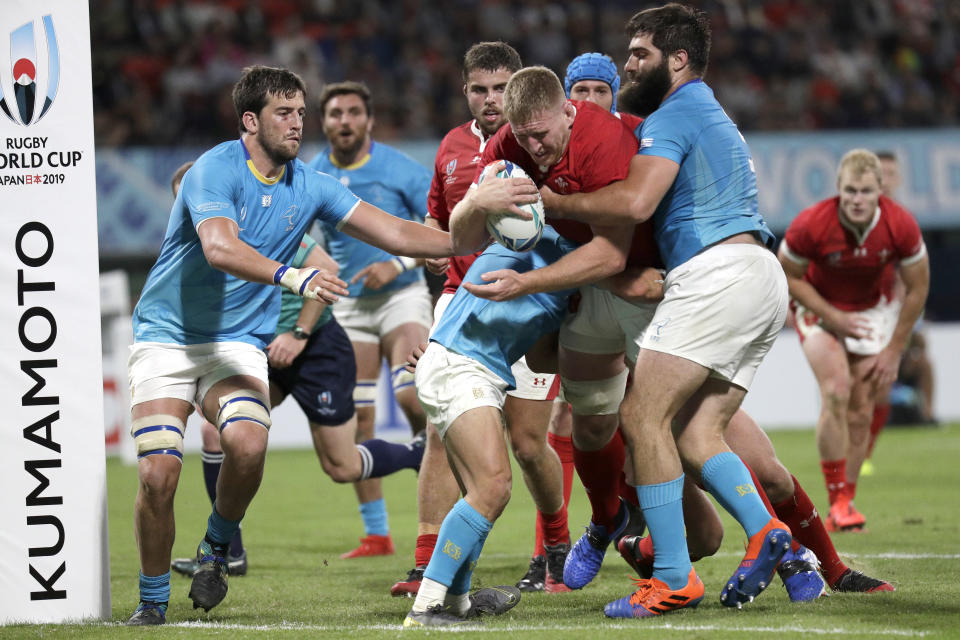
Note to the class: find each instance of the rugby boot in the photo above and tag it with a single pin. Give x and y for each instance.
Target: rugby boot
(764, 551)
(800, 573)
(493, 601)
(585, 558)
(209, 586)
(851, 581)
(631, 548)
(435, 616)
(409, 586)
(654, 597)
(844, 516)
(148, 613)
(536, 576)
(371, 545)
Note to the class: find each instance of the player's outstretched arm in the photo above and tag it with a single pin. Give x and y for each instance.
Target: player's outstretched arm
(604, 255)
(631, 200)
(225, 251)
(468, 219)
(395, 235)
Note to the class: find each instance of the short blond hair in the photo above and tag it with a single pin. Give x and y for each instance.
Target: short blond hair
(530, 92)
(859, 162)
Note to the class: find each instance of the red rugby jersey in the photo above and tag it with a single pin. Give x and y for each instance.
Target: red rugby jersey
(454, 169)
(853, 269)
(598, 153)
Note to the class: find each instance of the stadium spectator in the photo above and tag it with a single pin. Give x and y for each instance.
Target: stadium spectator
(839, 256)
(896, 62)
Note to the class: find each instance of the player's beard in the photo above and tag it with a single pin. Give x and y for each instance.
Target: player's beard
(279, 154)
(643, 93)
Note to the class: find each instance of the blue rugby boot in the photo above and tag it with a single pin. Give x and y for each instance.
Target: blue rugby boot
(584, 560)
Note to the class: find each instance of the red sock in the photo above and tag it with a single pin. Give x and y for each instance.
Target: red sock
(563, 445)
(850, 490)
(600, 473)
(425, 545)
(835, 474)
(554, 527)
(801, 516)
(880, 414)
(766, 500)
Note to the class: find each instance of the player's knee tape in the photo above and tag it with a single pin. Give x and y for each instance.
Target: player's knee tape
(365, 393)
(595, 397)
(401, 378)
(243, 405)
(159, 434)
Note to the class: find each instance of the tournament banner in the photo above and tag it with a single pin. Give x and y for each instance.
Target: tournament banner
(54, 560)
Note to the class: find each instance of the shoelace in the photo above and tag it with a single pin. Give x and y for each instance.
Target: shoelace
(644, 588)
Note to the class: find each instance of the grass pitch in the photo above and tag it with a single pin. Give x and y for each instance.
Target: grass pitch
(300, 522)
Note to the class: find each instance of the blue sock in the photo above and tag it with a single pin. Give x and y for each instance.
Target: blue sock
(374, 514)
(727, 480)
(381, 458)
(662, 506)
(155, 588)
(459, 544)
(220, 530)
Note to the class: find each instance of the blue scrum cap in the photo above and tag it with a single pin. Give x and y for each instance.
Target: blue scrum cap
(593, 66)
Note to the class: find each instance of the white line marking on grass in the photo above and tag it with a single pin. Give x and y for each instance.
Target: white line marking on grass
(636, 626)
(887, 555)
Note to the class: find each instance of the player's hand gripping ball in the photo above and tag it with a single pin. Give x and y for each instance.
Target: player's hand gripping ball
(512, 232)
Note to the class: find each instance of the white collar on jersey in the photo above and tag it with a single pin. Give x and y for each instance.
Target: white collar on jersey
(475, 129)
(861, 236)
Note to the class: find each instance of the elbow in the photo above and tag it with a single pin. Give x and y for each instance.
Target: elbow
(217, 255)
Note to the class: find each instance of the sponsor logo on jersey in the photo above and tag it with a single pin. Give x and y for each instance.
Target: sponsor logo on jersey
(451, 167)
(646, 142)
(266, 200)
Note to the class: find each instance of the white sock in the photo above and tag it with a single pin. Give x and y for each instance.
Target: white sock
(431, 593)
(459, 604)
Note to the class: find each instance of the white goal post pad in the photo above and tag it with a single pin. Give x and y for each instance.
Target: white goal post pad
(54, 559)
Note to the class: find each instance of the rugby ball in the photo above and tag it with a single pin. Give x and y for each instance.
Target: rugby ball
(507, 229)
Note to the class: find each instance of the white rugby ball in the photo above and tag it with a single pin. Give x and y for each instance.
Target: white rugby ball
(512, 232)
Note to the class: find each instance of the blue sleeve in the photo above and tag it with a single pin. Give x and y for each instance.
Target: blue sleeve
(417, 188)
(210, 190)
(334, 202)
(662, 135)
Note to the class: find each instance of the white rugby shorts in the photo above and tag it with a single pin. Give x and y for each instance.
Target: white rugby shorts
(606, 323)
(449, 384)
(187, 372)
(722, 309)
(369, 318)
(882, 319)
(530, 384)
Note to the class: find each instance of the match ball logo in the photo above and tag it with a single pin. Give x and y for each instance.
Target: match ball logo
(19, 103)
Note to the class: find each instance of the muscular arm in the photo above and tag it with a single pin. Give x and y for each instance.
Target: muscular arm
(395, 235)
(631, 200)
(224, 250)
(604, 255)
(311, 310)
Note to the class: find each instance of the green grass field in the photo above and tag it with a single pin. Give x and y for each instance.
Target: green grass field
(300, 522)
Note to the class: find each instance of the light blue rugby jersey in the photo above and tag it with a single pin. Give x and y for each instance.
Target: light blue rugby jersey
(497, 334)
(385, 178)
(714, 195)
(185, 300)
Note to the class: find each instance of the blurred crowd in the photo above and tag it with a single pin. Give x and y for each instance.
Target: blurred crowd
(163, 68)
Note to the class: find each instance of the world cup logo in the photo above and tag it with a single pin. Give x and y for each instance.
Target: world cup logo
(20, 104)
